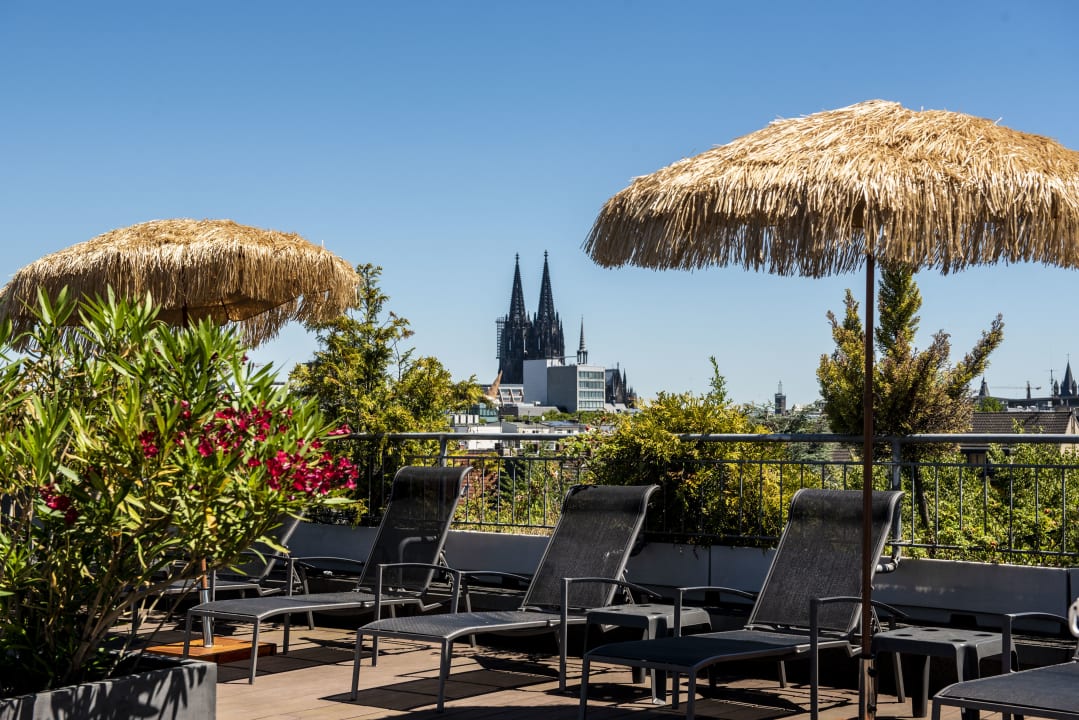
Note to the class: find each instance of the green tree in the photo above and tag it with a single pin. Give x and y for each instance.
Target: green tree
(990, 404)
(363, 377)
(914, 391)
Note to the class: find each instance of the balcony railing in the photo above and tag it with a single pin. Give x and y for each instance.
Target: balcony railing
(976, 504)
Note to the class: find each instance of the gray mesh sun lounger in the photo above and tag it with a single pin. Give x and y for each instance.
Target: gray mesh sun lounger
(819, 556)
(581, 568)
(1045, 692)
(411, 535)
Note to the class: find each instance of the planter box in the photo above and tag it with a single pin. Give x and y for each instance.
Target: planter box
(166, 690)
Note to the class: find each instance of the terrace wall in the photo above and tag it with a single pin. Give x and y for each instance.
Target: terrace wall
(930, 591)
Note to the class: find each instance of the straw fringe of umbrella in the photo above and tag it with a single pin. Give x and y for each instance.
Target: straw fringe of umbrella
(799, 197)
(194, 269)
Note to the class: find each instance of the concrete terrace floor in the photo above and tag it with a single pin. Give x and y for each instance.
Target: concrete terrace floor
(493, 681)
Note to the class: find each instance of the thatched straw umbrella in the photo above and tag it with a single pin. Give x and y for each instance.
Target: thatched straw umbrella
(830, 192)
(256, 279)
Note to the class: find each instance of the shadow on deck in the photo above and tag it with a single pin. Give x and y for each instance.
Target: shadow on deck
(513, 679)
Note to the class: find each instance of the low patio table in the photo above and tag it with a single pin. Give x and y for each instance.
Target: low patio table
(966, 647)
(654, 620)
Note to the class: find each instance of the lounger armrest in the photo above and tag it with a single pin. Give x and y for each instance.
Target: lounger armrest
(624, 584)
(466, 574)
(455, 581)
(680, 593)
(308, 560)
(298, 567)
(268, 558)
(1007, 621)
(463, 584)
(814, 611)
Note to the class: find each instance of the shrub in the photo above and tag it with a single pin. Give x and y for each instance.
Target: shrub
(129, 451)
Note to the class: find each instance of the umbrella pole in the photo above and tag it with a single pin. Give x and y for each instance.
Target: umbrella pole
(204, 597)
(867, 697)
(204, 582)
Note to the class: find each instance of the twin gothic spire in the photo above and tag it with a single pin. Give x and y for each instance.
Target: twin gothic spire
(521, 338)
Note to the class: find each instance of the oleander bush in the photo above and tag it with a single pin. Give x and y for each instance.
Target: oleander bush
(130, 451)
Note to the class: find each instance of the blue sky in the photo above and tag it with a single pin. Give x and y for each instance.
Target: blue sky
(438, 140)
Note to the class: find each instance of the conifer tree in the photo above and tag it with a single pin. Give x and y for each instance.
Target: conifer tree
(914, 391)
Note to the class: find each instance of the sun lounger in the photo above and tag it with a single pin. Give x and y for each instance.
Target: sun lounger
(1045, 692)
(809, 600)
(582, 568)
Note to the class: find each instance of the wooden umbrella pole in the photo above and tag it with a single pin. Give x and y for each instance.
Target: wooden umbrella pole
(204, 577)
(867, 706)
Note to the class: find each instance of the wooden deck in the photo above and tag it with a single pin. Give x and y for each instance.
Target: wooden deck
(312, 683)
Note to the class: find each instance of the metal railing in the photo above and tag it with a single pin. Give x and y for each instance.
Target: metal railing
(1001, 509)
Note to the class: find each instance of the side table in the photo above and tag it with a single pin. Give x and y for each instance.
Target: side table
(654, 620)
(966, 647)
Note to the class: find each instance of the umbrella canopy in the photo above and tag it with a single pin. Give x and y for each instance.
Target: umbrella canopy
(815, 195)
(194, 269)
(836, 190)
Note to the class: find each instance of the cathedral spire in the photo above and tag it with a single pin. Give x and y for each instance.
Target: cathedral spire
(545, 312)
(517, 295)
(513, 332)
(582, 351)
(545, 339)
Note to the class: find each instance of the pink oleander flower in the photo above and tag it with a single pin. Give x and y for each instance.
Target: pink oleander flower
(148, 441)
(59, 503)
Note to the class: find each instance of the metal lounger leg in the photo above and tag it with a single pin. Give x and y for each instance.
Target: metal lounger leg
(187, 634)
(563, 641)
(288, 625)
(356, 665)
(584, 687)
(691, 696)
(254, 653)
(443, 672)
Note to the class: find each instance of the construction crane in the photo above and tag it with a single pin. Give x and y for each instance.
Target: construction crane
(1028, 387)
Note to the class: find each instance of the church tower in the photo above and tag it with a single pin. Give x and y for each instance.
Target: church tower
(1067, 385)
(545, 339)
(514, 331)
(781, 400)
(582, 351)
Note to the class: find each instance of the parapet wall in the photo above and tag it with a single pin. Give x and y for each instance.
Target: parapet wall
(930, 591)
